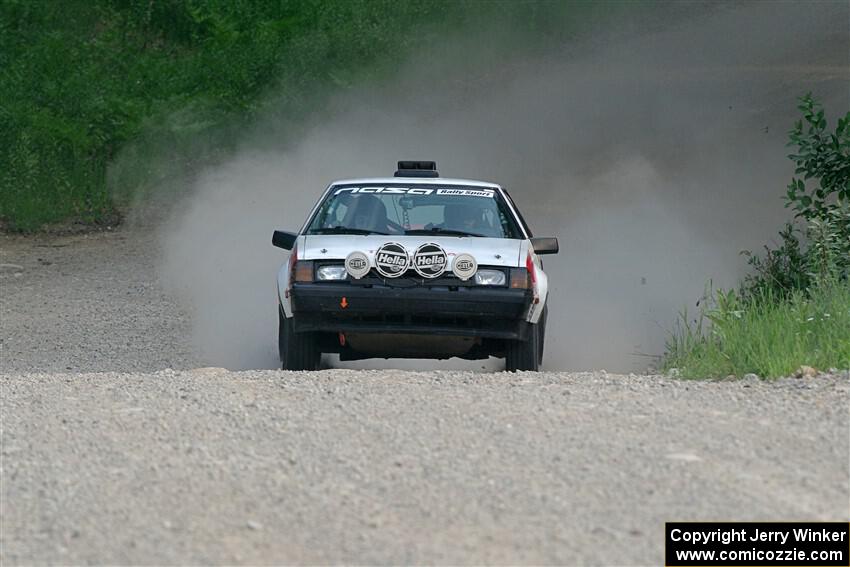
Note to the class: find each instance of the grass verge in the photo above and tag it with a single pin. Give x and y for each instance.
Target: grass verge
(764, 335)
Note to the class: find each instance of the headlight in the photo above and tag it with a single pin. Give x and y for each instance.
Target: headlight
(490, 277)
(325, 273)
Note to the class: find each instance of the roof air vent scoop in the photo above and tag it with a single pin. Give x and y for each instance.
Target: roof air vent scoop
(417, 169)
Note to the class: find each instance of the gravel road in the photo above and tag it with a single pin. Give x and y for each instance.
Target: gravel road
(109, 456)
(88, 302)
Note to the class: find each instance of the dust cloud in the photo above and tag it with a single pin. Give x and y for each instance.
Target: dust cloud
(655, 155)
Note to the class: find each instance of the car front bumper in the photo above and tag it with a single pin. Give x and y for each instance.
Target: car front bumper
(478, 311)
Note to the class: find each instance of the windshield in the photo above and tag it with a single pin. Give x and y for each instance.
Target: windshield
(423, 209)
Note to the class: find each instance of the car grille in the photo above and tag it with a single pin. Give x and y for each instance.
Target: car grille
(412, 279)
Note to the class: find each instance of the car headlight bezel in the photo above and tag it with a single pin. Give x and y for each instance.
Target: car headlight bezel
(331, 273)
(489, 277)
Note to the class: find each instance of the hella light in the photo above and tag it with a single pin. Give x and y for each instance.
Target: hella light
(330, 273)
(490, 277)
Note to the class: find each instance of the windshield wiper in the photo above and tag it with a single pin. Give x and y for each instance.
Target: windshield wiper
(344, 230)
(438, 230)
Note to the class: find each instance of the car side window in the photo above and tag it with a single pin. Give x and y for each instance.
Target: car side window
(518, 213)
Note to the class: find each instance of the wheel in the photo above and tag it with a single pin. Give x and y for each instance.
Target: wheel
(526, 355)
(298, 351)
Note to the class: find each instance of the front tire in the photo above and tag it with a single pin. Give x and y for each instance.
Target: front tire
(298, 351)
(526, 355)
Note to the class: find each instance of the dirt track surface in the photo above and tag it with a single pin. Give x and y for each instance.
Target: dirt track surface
(138, 464)
(88, 302)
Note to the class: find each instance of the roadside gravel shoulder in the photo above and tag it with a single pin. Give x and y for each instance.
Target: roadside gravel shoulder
(87, 302)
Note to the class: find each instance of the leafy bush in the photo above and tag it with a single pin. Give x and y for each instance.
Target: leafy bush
(822, 156)
(781, 270)
(794, 308)
(820, 249)
(828, 254)
(817, 254)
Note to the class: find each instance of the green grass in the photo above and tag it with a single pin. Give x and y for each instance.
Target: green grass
(764, 335)
(100, 99)
(82, 78)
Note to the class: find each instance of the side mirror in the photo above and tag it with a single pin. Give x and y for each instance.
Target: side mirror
(546, 245)
(283, 239)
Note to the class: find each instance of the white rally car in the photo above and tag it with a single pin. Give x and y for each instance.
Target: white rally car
(413, 266)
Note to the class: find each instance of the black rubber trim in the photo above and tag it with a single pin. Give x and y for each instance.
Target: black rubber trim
(495, 313)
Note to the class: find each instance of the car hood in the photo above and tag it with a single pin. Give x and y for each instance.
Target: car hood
(486, 251)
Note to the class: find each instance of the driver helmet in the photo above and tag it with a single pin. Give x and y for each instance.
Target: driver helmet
(462, 216)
